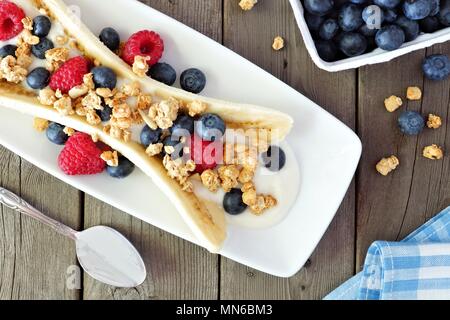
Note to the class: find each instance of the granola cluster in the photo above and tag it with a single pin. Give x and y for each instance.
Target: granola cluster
(247, 4)
(393, 103)
(434, 121)
(278, 43)
(433, 152)
(387, 165)
(238, 172)
(180, 171)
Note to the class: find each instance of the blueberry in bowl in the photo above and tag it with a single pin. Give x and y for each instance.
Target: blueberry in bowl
(387, 4)
(193, 80)
(8, 50)
(430, 24)
(327, 50)
(409, 27)
(373, 16)
(390, 15)
(41, 26)
(436, 67)
(55, 133)
(163, 72)
(210, 127)
(352, 44)
(232, 202)
(319, 7)
(104, 77)
(110, 38)
(41, 48)
(416, 9)
(411, 123)
(350, 17)
(328, 29)
(39, 78)
(123, 170)
(390, 37)
(444, 13)
(313, 21)
(274, 159)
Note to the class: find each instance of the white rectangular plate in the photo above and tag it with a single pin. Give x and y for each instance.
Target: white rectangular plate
(327, 151)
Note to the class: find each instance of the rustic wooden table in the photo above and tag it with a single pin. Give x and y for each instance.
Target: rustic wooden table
(34, 260)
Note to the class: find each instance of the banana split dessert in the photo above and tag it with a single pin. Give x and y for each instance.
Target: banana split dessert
(112, 107)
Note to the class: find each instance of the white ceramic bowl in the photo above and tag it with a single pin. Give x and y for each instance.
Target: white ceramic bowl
(376, 56)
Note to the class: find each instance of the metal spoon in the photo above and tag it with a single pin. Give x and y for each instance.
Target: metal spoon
(104, 253)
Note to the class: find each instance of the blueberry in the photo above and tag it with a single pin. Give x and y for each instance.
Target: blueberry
(163, 72)
(429, 24)
(327, 50)
(435, 7)
(328, 29)
(390, 15)
(110, 38)
(105, 114)
(366, 31)
(193, 80)
(8, 50)
(274, 159)
(104, 77)
(411, 123)
(233, 203)
(387, 4)
(319, 7)
(313, 21)
(444, 13)
(39, 78)
(373, 16)
(436, 67)
(56, 134)
(41, 48)
(41, 26)
(390, 37)
(210, 127)
(352, 44)
(183, 126)
(123, 170)
(350, 17)
(409, 27)
(416, 9)
(176, 144)
(358, 1)
(150, 136)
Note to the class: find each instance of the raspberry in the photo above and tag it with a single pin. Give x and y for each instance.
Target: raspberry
(81, 156)
(10, 20)
(205, 154)
(70, 74)
(143, 43)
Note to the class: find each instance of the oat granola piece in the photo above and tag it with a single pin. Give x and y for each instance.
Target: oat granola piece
(249, 195)
(111, 158)
(270, 201)
(246, 175)
(69, 131)
(40, 124)
(258, 207)
(154, 149)
(164, 113)
(132, 89)
(24, 61)
(59, 55)
(78, 91)
(27, 23)
(413, 93)
(434, 121)
(122, 111)
(23, 49)
(247, 4)
(47, 97)
(144, 101)
(88, 80)
(210, 180)
(61, 40)
(229, 177)
(11, 71)
(386, 165)
(29, 38)
(92, 101)
(136, 117)
(95, 137)
(121, 123)
(140, 65)
(180, 171)
(92, 117)
(104, 92)
(195, 108)
(278, 43)
(64, 106)
(393, 103)
(433, 152)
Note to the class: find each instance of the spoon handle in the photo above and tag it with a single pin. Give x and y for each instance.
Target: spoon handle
(15, 202)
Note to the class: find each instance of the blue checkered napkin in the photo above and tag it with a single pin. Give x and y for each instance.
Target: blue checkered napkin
(416, 268)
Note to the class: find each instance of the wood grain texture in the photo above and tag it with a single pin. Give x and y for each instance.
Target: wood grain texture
(391, 207)
(176, 268)
(34, 259)
(251, 35)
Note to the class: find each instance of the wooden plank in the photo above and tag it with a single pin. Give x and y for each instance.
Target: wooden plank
(34, 259)
(391, 207)
(251, 35)
(176, 268)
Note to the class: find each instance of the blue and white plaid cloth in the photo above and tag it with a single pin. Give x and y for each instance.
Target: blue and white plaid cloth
(416, 268)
